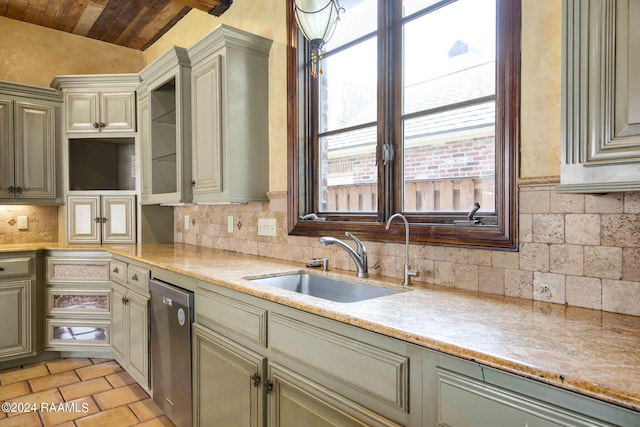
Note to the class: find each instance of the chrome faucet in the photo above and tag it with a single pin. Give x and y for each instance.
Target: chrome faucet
(359, 255)
(407, 269)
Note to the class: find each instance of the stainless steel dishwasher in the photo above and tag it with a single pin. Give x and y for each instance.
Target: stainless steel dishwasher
(171, 319)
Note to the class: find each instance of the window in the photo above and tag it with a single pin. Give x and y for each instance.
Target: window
(416, 111)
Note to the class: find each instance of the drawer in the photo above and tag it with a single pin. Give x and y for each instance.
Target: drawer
(118, 271)
(235, 319)
(138, 278)
(77, 270)
(19, 266)
(78, 301)
(378, 373)
(68, 333)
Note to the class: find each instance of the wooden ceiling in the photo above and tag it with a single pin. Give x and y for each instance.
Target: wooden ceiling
(135, 24)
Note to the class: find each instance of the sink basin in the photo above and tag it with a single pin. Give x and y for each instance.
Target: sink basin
(326, 287)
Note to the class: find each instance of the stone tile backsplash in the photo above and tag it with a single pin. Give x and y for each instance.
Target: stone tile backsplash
(578, 250)
(42, 224)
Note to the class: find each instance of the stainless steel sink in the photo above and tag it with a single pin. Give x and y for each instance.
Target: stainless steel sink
(326, 287)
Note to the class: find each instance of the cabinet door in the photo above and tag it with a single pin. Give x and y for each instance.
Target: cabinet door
(207, 133)
(81, 112)
(297, 401)
(117, 112)
(118, 223)
(35, 159)
(138, 329)
(16, 318)
(225, 390)
(83, 219)
(118, 323)
(6, 148)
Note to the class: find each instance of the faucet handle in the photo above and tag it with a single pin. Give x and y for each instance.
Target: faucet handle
(360, 246)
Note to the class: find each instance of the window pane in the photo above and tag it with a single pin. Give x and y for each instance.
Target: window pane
(449, 55)
(348, 87)
(449, 160)
(358, 19)
(348, 174)
(410, 7)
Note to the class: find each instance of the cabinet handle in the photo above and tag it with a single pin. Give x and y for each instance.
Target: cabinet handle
(268, 386)
(134, 277)
(255, 379)
(96, 125)
(11, 189)
(122, 300)
(125, 300)
(193, 183)
(102, 125)
(18, 190)
(97, 219)
(1, 268)
(116, 270)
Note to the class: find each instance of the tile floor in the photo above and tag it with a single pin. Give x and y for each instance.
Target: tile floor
(75, 392)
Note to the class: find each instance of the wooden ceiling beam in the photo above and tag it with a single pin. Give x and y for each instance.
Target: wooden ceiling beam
(213, 7)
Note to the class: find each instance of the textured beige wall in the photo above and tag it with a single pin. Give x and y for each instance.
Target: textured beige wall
(541, 78)
(33, 55)
(267, 19)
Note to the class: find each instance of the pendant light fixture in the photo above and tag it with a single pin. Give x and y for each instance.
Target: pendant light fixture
(317, 20)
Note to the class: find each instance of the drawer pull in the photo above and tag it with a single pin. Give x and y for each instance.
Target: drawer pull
(115, 270)
(134, 277)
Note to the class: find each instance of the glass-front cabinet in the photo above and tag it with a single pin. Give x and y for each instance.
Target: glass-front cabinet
(164, 104)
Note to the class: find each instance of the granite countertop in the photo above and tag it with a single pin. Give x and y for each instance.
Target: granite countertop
(590, 352)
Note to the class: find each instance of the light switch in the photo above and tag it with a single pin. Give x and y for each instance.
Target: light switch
(187, 224)
(23, 222)
(230, 224)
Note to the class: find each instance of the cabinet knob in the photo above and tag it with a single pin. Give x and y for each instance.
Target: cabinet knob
(268, 386)
(102, 125)
(116, 270)
(11, 189)
(255, 379)
(96, 125)
(134, 277)
(18, 190)
(1, 268)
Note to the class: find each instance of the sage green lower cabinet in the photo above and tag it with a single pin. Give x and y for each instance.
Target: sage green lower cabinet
(228, 383)
(17, 306)
(259, 363)
(130, 319)
(77, 301)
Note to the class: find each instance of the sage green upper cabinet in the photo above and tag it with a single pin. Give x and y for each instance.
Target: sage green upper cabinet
(230, 116)
(103, 103)
(601, 96)
(28, 144)
(165, 126)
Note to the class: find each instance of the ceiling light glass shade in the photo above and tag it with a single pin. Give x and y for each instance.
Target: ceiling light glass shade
(317, 19)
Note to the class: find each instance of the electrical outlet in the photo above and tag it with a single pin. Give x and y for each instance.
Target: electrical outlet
(230, 224)
(187, 223)
(23, 222)
(267, 227)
